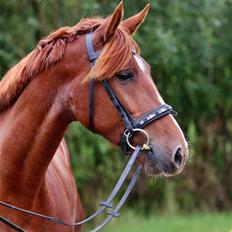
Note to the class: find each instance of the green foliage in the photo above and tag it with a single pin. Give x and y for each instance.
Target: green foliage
(188, 45)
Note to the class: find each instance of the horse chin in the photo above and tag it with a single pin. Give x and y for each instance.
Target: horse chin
(157, 171)
(152, 170)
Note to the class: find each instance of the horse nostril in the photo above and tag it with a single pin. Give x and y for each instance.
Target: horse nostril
(177, 158)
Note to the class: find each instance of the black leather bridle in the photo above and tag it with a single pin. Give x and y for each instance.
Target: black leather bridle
(131, 127)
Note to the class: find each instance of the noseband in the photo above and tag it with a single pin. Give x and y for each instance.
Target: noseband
(132, 126)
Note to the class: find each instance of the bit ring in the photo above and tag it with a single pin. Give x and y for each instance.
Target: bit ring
(145, 145)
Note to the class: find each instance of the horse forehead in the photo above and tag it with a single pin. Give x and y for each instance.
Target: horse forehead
(140, 62)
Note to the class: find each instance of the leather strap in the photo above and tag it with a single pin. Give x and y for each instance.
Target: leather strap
(126, 118)
(92, 55)
(90, 49)
(91, 106)
(154, 115)
(145, 119)
(115, 212)
(11, 225)
(104, 204)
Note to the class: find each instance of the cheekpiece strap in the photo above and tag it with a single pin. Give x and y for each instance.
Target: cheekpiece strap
(126, 117)
(90, 49)
(92, 55)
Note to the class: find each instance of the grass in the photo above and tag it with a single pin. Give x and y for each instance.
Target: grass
(131, 222)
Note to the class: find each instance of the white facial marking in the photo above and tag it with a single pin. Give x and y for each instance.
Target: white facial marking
(140, 63)
(142, 66)
(161, 100)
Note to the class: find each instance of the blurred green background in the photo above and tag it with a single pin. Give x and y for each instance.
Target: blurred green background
(188, 45)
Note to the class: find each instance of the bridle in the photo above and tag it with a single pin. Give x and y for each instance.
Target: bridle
(132, 126)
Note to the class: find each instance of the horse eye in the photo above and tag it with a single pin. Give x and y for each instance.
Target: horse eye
(125, 76)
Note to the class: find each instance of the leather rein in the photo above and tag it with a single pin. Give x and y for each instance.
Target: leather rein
(132, 126)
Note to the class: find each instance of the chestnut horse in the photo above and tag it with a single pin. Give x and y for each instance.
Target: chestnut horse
(49, 89)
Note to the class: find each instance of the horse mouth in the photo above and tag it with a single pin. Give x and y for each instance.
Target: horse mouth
(151, 165)
(156, 166)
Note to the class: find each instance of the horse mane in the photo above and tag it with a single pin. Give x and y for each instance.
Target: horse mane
(50, 50)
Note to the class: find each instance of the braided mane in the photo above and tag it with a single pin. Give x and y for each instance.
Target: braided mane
(50, 50)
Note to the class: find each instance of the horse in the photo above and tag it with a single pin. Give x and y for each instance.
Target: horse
(49, 88)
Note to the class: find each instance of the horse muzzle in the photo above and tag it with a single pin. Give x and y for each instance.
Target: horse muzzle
(157, 163)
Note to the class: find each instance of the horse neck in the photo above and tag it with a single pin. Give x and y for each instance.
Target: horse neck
(31, 131)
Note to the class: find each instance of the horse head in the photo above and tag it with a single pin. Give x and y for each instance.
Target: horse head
(120, 64)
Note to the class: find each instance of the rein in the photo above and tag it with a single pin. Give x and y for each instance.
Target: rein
(132, 126)
(106, 206)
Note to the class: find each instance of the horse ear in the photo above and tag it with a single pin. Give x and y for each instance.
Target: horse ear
(110, 25)
(133, 23)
